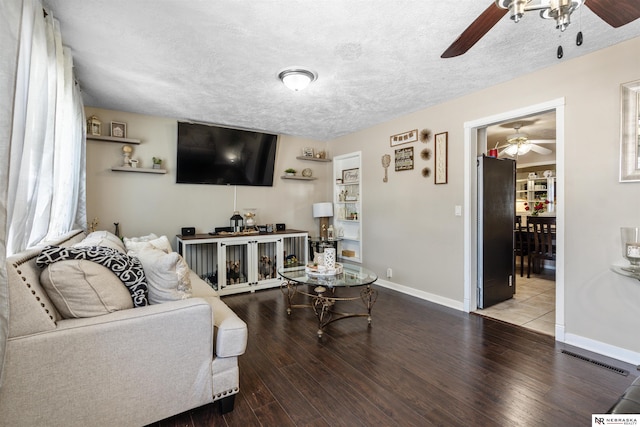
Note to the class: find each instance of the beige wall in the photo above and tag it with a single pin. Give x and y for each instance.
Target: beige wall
(144, 203)
(409, 223)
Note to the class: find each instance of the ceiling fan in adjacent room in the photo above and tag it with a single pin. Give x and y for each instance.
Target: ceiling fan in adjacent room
(519, 144)
(614, 12)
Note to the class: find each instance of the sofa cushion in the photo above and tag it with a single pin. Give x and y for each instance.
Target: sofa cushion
(80, 288)
(167, 275)
(102, 238)
(140, 243)
(127, 269)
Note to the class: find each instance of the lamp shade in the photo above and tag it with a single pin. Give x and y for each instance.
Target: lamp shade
(321, 210)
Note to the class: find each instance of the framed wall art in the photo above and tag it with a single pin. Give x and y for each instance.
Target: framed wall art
(404, 138)
(308, 152)
(404, 159)
(630, 132)
(350, 175)
(118, 129)
(440, 157)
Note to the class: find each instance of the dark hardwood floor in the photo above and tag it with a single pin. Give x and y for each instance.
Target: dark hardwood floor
(419, 364)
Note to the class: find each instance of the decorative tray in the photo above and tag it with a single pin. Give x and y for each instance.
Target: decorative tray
(317, 270)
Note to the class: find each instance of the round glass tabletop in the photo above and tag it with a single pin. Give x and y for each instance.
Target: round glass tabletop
(352, 275)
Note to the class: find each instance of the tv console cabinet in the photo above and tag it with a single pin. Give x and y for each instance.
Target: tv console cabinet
(239, 263)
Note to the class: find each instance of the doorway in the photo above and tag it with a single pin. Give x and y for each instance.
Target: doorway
(531, 142)
(477, 143)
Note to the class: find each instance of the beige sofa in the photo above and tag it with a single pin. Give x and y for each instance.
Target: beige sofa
(129, 367)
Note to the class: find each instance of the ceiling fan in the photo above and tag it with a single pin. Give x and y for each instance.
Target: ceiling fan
(519, 144)
(614, 12)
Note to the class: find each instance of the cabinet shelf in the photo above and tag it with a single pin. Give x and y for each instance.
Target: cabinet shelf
(113, 139)
(349, 230)
(299, 178)
(313, 159)
(138, 170)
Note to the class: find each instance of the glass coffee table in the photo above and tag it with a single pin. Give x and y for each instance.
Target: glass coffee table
(321, 289)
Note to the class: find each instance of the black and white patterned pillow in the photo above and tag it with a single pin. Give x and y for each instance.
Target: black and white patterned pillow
(127, 269)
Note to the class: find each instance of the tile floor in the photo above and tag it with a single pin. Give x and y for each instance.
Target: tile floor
(533, 306)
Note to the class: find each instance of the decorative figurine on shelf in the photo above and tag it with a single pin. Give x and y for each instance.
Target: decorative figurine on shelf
(126, 152)
(250, 220)
(94, 126)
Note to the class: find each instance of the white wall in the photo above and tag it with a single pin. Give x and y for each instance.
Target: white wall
(144, 203)
(410, 223)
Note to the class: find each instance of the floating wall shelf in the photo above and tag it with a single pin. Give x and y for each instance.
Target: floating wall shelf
(113, 139)
(312, 159)
(299, 178)
(138, 170)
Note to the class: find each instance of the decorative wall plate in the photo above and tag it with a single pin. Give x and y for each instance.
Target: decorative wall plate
(307, 173)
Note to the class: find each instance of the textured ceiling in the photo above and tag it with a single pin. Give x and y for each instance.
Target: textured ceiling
(217, 61)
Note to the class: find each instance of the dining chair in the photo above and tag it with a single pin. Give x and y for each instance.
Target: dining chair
(520, 242)
(542, 246)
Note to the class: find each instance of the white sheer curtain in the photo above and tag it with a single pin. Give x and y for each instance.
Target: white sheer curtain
(46, 181)
(42, 155)
(10, 13)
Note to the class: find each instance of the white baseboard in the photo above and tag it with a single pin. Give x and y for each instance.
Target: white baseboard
(447, 302)
(608, 350)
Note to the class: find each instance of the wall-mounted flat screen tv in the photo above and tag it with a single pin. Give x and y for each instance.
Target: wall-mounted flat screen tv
(224, 156)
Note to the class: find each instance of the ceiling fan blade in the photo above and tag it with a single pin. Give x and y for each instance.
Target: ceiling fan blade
(615, 12)
(542, 141)
(475, 31)
(540, 150)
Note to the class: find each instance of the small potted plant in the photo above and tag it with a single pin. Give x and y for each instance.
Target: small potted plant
(157, 162)
(290, 172)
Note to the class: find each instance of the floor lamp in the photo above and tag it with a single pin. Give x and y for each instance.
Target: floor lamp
(324, 211)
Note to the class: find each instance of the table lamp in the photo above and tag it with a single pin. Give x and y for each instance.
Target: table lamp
(323, 211)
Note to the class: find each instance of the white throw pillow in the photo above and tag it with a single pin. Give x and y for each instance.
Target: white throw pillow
(167, 275)
(161, 243)
(80, 288)
(102, 238)
(146, 238)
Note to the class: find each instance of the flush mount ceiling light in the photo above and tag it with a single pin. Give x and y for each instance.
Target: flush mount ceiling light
(296, 78)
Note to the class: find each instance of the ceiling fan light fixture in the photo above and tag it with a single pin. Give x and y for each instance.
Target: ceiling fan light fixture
(516, 8)
(296, 78)
(524, 149)
(517, 138)
(518, 148)
(560, 11)
(511, 150)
